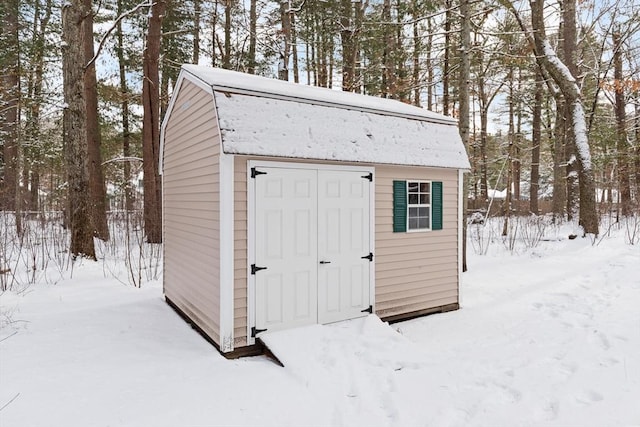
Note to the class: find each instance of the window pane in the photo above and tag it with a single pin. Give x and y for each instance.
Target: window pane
(413, 199)
(413, 212)
(423, 222)
(423, 212)
(413, 187)
(424, 187)
(424, 199)
(413, 223)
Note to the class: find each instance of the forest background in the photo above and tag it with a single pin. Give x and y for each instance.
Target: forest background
(547, 94)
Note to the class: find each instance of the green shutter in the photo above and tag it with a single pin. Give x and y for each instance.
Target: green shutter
(399, 206)
(436, 205)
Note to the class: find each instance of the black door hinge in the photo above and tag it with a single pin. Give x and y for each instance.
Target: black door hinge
(369, 257)
(254, 269)
(255, 172)
(255, 331)
(368, 310)
(369, 177)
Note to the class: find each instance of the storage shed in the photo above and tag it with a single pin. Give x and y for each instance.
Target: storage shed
(287, 205)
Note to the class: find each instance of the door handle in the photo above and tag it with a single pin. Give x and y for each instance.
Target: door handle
(325, 262)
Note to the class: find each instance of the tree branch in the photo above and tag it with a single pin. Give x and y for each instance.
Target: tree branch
(145, 3)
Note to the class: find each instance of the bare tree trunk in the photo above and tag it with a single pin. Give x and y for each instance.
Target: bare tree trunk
(484, 140)
(34, 91)
(151, 125)
(226, 60)
(358, 69)
(559, 174)
(399, 58)
(571, 171)
(536, 140)
(253, 21)
(285, 42)
(347, 38)
(484, 100)
(463, 120)
(389, 76)
(447, 49)
(517, 173)
(624, 183)
(196, 31)
(9, 96)
(214, 34)
(417, 47)
(75, 130)
(294, 47)
(124, 107)
(430, 76)
(509, 174)
(97, 190)
(571, 93)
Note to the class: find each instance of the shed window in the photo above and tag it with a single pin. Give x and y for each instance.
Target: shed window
(417, 205)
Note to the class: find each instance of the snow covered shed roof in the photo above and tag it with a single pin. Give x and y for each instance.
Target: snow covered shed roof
(268, 117)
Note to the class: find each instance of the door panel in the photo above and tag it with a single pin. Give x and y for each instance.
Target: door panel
(311, 232)
(343, 239)
(286, 243)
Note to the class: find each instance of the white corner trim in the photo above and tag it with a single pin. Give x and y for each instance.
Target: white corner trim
(461, 218)
(251, 253)
(372, 241)
(226, 253)
(227, 235)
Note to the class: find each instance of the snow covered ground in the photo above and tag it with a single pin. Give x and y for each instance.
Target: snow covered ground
(547, 336)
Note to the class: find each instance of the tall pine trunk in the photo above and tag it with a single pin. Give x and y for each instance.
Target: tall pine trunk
(75, 130)
(9, 95)
(624, 183)
(417, 47)
(124, 107)
(347, 38)
(464, 79)
(196, 31)
(285, 41)
(151, 125)
(97, 190)
(569, 54)
(536, 140)
(571, 93)
(253, 21)
(389, 75)
(559, 175)
(447, 53)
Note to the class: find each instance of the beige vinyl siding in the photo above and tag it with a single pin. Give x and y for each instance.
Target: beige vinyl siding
(191, 201)
(416, 270)
(240, 249)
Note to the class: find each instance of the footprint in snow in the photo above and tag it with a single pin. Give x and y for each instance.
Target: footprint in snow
(608, 362)
(588, 397)
(602, 340)
(568, 369)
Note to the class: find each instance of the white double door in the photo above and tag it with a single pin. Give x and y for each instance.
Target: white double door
(312, 239)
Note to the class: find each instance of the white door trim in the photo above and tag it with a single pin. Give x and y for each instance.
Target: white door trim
(251, 232)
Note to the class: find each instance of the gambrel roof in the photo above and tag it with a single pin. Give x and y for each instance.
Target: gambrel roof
(268, 117)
